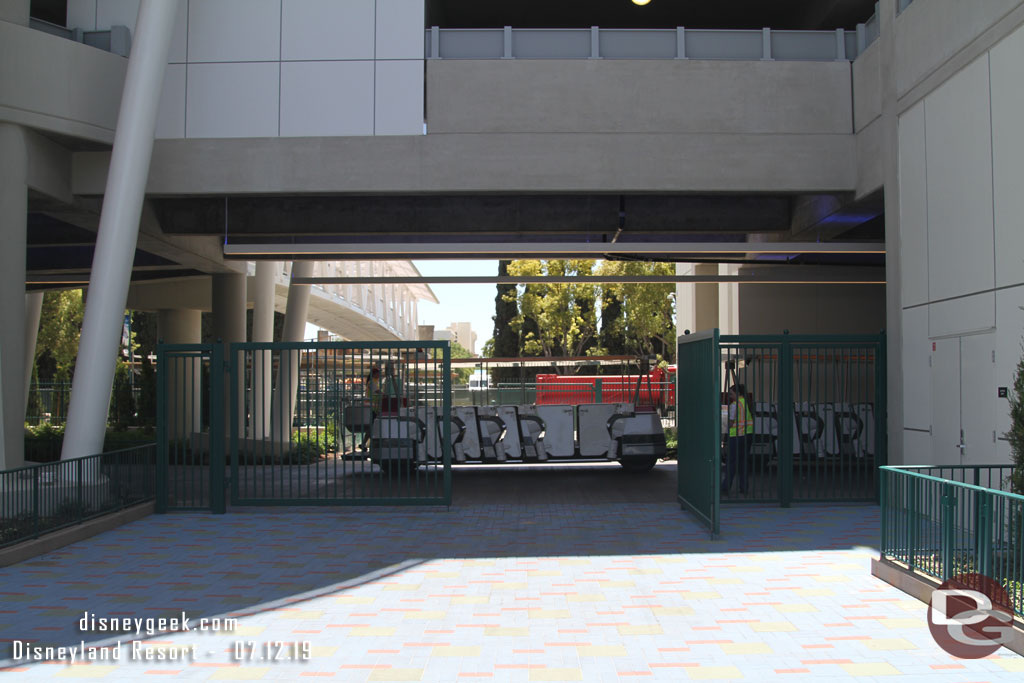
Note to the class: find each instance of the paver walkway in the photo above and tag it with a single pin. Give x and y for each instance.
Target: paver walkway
(619, 591)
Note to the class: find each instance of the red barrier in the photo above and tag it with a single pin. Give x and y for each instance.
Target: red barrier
(657, 389)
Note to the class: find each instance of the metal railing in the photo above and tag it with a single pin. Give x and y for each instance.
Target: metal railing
(677, 43)
(943, 527)
(116, 39)
(38, 499)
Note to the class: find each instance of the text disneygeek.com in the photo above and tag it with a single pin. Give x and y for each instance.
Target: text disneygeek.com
(139, 650)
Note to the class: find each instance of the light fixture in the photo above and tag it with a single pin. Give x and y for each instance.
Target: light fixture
(641, 3)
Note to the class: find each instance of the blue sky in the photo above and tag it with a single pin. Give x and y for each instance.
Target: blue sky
(460, 303)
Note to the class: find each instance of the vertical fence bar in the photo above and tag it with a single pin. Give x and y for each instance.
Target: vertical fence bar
(786, 421)
(948, 531)
(218, 365)
(161, 430)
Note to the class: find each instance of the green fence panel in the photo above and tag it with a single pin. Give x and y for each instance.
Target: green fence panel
(38, 499)
(190, 424)
(819, 410)
(699, 424)
(933, 522)
(310, 424)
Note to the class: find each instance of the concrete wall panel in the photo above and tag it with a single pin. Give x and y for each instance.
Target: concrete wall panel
(398, 98)
(170, 121)
(917, 410)
(1007, 71)
(327, 29)
(931, 32)
(232, 100)
(399, 29)
(57, 85)
(870, 168)
(680, 96)
(916, 448)
(234, 31)
(913, 207)
(959, 167)
(811, 309)
(82, 14)
(867, 86)
(945, 403)
(962, 316)
(326, 98)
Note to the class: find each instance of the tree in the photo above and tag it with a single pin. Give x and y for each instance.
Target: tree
(59, 330)
(564, 315)
(647, 322)
(613, 341)
(1016, 434)
(505, 343)
(461, 375)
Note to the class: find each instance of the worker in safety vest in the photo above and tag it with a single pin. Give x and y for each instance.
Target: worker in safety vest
(741, 436)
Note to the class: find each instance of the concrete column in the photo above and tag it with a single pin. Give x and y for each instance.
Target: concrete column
(13, 225)
(891, 179)
(728, 301)
(228, 297)
(262, 362)
(184, 378)
(119, 229)
(283, 408)
(705, 298)
(33, 311)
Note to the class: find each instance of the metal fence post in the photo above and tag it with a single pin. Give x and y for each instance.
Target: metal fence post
(983, 562)
(446, 411)
(35, 502)
(598, 390)
(883, 479)
(912, 517)
(948, 532)
(161, 430)
(217, 367)
(786, 421)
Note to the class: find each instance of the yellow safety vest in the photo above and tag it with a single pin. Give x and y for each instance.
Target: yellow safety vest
(744, 423)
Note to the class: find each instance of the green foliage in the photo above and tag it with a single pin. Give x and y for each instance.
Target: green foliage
(1016, 434)
(59, 330)
(123, 405)
(309, 445)
(460, 375)
(147, 395)
(564, 314)
(646, 324)
(505, 342)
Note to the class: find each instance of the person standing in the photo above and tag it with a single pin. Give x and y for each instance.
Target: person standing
(741, 434)
(372, 392)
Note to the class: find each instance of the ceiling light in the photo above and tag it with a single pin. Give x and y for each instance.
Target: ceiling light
(641, 2)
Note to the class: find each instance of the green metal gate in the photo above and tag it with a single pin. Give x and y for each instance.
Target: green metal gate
(309, 424)
(819, 408)
(817, 405)
(190, 427)
(699, 426)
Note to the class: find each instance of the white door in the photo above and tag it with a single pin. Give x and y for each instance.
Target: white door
(978, 398)
(945, 375)
(963, 417)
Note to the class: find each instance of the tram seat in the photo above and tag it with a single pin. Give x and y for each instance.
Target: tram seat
(398, 437)
(524, 434)
(843, 429)
(432, 417)
(592, 420)
(559, 433)
(809, 430)
(766, 430)
(483, 435)
(865, 443)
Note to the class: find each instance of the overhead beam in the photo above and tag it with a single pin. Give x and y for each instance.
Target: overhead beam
(776, 276)
(487, 250)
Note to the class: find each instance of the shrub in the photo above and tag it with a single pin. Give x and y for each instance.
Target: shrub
(1016, 434)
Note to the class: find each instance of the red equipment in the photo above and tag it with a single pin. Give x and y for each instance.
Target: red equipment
(658, 389)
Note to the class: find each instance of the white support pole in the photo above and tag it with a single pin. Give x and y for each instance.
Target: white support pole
(119, 229)
(33, 311)
(295, 314)
(13, 226)
(262, 331)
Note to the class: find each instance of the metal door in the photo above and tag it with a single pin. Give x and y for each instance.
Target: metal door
(698, 418)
